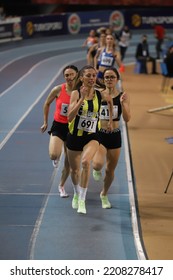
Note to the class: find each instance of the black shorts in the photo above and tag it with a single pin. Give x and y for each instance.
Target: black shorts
(77, 143)
(93, 53)
(110, 140)
(59, 129)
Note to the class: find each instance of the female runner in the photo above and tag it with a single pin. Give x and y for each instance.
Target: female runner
(82, 140)
(58, 132)
(110, 141)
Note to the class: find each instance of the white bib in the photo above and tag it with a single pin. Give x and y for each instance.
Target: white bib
(106, 60)
(64, 109)
(104, 112)
(87, 124)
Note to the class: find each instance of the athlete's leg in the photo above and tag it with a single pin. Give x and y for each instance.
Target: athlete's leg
(99, 158)
(55, 147)
(64, 174)
(88, 154)
(66, 168)
(111, 163)
(98, 162)
(74, 158)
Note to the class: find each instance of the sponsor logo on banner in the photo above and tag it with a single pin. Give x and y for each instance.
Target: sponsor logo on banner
(136, 20)
(29, 28)
(116, 20)
(74, 24)
(32, 28)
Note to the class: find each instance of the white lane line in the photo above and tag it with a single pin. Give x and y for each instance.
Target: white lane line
(32, 69)
(44, 194)
(23, 77)
(40, 217)
(11, 61)
(34, 103)
(137, 239)
(33, 50)
(23, 194)
(27, 74)
(27, 112)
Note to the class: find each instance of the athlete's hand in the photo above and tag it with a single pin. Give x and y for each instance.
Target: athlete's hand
(83, 91)
(43, 127)
(124, 97)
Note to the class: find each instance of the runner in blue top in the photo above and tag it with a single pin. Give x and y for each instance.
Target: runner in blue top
(108, 57)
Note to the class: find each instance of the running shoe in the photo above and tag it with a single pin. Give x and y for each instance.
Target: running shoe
(62, 192)
(55, 163)
(81, 207)
(105, 202)
(75, 201)
(97, 175)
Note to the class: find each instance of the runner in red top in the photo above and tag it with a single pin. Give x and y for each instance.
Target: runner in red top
(58, 132)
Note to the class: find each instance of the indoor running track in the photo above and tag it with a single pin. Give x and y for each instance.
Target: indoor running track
(35, 223)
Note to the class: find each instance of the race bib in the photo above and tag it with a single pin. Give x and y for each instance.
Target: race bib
(64, 109)
(107, 61)
(104, 112)
(87, 124)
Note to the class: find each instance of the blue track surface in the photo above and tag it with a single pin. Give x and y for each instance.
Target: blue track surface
(35, 223)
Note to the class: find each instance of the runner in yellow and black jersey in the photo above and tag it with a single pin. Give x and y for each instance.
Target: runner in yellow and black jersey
(86, 121)
(83, 140)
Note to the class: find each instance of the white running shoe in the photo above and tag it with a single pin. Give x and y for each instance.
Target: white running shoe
(62, 192)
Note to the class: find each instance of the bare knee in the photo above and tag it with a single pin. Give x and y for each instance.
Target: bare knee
(54, 154)
(75, 172)
(97, 165)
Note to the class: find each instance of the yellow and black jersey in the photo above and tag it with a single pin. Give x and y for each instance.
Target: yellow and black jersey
(86, 121)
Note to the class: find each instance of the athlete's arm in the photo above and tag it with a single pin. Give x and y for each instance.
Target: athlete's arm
(76, 102)
(118, 59)
(125, 104)
(52, 95)
(96, 57)
(108, 99)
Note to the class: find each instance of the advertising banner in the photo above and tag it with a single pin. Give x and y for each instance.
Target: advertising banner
(145, 19)
(40, 26)
(10, 29)
(82, 22)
